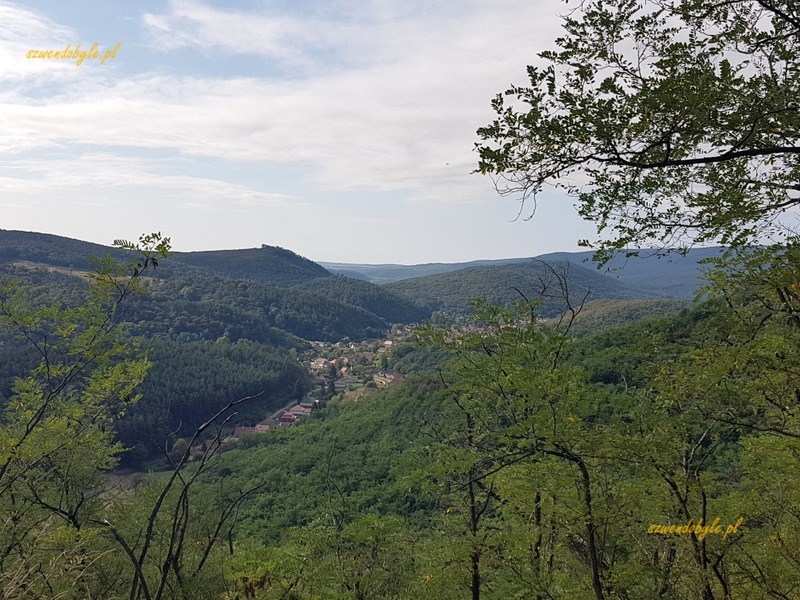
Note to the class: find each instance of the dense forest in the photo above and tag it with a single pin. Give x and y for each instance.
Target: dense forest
(532, 464)
(453, 293)
(243, 332)
(516, 460)
(553, 434)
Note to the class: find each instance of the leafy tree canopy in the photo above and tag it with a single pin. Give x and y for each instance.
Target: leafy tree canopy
(672, 121)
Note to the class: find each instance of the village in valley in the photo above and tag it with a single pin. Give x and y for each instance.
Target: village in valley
(346, 370)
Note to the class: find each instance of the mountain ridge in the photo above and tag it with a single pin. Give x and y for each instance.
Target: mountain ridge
(555, 284)
(670, 274)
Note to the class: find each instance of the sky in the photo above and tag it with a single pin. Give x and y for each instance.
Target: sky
(343, 130)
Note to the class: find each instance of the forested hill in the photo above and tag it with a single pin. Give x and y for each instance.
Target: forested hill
(304, 297)
(389, 273)
(268, 264)
(212, 337)
(669, 274)
(49, 249)
(385, 303)
(266, 294)
(454, 292)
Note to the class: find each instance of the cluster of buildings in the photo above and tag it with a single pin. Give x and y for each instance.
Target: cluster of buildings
(339, 372)
(302, 409)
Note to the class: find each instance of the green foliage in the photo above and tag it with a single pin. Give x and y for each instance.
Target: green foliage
(369, 558)
(345, 462)
(516, 460)
(380, 301)
(55, 428)
(631, 354)
(670, 120)
(548, 483)
(603, 314)
(268, 265)
(519, 404)
(190, 381)
(531, 463)
(65, 531)
(536, 280)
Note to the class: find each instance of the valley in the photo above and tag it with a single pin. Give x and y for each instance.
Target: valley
(394, 431)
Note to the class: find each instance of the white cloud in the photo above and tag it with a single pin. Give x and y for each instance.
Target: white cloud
(288, 40)
(108, 173)
(405, 124)
(383, 97)
(23, 30)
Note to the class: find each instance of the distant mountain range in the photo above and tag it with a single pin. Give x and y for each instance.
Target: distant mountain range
(556, 284)
(288, 295)
(669, 275)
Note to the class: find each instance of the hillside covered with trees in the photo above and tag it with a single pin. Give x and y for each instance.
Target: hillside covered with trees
(544, 445)
(247, 335)
(455, 292)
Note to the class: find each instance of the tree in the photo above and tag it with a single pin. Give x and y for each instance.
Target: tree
(671, 121)
(56, 435)
(369, 558)
(61, 525)
(525, 415)
(169, 544)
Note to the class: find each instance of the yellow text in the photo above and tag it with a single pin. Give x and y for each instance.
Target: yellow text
(698, 529)
(76, 54)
